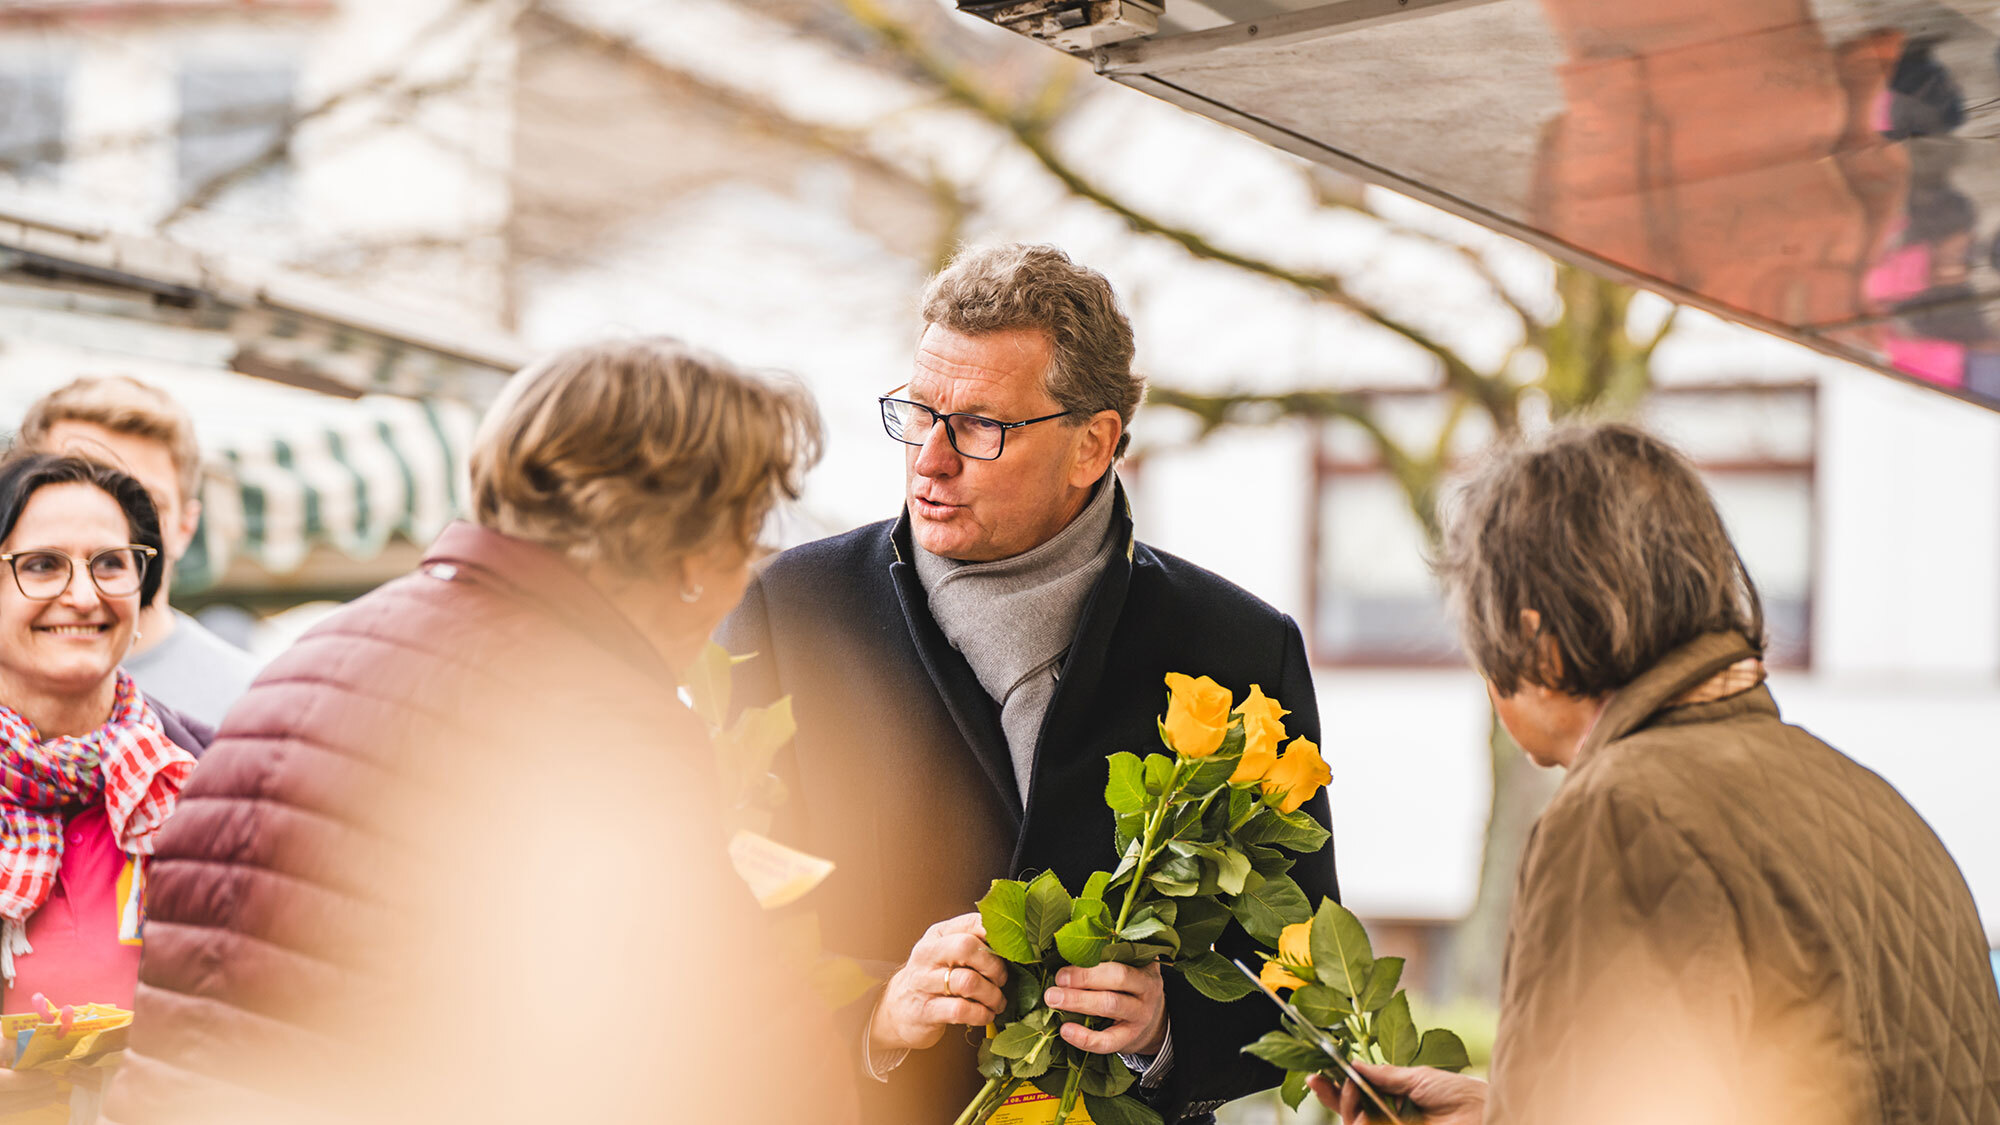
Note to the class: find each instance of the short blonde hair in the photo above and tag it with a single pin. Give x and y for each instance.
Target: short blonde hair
(123, 405)
(639, 452)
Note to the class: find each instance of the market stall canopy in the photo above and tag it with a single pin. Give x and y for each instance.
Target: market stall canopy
(323, 421)
(1821, 170)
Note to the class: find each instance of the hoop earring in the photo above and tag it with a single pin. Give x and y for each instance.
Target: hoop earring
(691, 598)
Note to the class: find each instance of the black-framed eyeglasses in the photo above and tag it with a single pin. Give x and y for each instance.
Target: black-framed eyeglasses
(44, 573)
(972, 435)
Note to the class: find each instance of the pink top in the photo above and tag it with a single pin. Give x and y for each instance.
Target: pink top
(79, 956)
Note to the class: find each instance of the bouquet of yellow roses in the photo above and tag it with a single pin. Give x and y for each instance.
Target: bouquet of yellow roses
(1202, 835)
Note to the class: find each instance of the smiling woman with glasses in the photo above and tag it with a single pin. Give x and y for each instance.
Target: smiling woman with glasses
(92, 768)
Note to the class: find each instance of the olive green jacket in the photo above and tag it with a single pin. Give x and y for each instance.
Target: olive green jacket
(1721, 918)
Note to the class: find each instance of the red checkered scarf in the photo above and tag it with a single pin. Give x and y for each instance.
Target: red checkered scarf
(129, 763)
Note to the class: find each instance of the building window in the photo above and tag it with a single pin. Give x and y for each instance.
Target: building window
(234, 134)
(34, 103)
(1375, 603)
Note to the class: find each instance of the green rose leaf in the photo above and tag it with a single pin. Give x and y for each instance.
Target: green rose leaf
(1137, 953)
(1039, 1058)
(1151, 929)
(1126, 791)
(1159, 767)
(1243, 804)
(1213, 976)
(1341, 956)
(1107, 1076)
(1267, 861)
(1396, 1032)
(1081, 942)
(1122, 1110)
(1321, 1005)
(1016, 1039)
(990, 1064)
(1047, 910)
(1442, 1049)
(1004, 911)
(708, 685)
(1293, 1089)
(1213, 772)
(1024, 995)
(1382, 981)
(1297, 831)
(1200, 922)
(1181, 869)
(1265, 910)
(1130, 826)
(1232, 868)
(1282, 1050)
(1095, 886)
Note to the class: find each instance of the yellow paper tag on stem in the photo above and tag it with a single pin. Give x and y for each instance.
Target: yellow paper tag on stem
(1029, 1106)
(778, 875)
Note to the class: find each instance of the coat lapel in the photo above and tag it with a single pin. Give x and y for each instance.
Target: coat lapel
(974, 711)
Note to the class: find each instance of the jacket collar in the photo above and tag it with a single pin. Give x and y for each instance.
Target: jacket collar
(534, 573)
(1635, 705)
(974, 712)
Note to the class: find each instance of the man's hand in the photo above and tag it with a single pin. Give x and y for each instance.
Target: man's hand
(1444, 1098)
(1134, 1000)
(950, 978)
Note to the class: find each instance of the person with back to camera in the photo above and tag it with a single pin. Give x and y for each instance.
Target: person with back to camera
(460, 855)
(1718, 917)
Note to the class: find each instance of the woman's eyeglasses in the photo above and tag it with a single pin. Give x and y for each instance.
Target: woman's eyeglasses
(43, 574)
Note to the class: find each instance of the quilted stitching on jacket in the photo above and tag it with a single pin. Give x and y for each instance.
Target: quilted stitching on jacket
(1713, 868)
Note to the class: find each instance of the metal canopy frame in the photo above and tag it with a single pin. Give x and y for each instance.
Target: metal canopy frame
(1148, 65)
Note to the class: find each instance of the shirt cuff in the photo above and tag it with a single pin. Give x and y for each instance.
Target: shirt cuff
(1152, 1069)
(878, 1064)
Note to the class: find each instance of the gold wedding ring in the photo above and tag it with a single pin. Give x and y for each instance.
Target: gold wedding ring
(949, 969)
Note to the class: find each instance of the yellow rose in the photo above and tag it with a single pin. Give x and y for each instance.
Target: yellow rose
(1263, 730)
(1295, 945)
(1276, 976)
(1197, 715)
(1294, 953)
(1298, 775)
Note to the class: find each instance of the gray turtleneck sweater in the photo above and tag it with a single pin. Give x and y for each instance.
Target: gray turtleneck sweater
(1013, 619)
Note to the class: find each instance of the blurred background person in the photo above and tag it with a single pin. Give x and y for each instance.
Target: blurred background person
(146, 433)
(461, 854)
(91, 769)
(1719, 915)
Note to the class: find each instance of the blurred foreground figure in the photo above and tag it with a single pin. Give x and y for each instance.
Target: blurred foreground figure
(457, 855)
(1719, 918)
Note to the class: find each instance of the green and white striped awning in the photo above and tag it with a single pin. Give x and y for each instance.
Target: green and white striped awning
(290, 470)
(351, 476)
(325, 421)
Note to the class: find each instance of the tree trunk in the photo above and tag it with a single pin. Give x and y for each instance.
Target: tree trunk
(1520, 790)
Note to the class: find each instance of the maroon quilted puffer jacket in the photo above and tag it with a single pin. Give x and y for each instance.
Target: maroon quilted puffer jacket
(455, 856)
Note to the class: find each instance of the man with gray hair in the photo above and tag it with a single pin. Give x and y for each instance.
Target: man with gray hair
(960, 674)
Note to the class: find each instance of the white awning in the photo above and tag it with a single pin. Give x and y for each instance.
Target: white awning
(287, 469)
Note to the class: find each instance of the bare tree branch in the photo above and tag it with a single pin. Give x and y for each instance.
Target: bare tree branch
(1493, 394)
(387, 81)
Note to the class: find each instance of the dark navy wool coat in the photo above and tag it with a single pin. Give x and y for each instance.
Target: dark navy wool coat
(900, 772)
